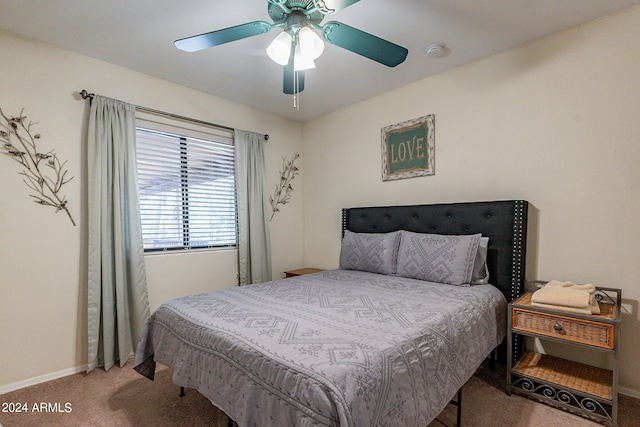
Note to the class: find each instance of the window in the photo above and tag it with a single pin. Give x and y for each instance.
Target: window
(186, 185)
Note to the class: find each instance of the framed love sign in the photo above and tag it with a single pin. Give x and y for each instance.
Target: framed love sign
(408, 149)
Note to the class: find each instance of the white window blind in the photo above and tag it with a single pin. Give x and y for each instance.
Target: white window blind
(186, 183)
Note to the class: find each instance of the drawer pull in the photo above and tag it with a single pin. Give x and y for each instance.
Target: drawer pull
(557, 327)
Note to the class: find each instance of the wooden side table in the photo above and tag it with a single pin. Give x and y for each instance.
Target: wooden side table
(575, 387)
(301, 271)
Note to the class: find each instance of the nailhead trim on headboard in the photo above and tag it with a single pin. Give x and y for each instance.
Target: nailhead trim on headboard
(517, 279)
(519, 251)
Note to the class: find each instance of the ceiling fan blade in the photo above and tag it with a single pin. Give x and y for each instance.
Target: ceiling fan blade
(365, 44)
(289, 75)
(226, 35)
(339, 4)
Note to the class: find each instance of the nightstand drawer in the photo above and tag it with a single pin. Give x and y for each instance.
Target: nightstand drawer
(596, 334)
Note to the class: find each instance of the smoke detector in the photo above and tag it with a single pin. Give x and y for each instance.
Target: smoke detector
(436, 50)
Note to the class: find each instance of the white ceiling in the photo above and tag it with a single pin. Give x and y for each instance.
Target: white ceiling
(139, 35)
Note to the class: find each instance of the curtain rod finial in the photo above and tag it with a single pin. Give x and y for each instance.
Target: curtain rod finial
(266, 136)
(84, 94)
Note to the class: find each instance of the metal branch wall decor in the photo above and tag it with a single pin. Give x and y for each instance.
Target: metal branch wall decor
(284, 189)
(43, 172)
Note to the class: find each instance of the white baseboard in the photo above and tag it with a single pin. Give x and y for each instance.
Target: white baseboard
(629, 392)
(41, 379)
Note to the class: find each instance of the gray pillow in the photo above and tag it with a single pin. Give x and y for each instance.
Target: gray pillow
(437, 258)
(480, 275)
(372, 252)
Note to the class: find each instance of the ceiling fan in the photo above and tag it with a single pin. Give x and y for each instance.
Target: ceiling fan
(299, 43)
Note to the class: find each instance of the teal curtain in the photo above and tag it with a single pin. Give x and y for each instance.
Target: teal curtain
(118, 302)
(254, 236)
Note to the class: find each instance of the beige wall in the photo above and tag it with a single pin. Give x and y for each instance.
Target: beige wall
(555, 122)
(42, 291)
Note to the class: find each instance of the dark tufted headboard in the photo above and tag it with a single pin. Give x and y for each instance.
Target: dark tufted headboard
(504, 222)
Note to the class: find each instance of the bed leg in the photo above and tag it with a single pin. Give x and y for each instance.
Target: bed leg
(459, 412)
(494, 356)
(458, 404)
(181, 391)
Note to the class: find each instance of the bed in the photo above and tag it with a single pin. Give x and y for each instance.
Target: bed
(372, 343)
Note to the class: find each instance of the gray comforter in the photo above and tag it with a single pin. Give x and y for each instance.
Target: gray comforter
(334, 348)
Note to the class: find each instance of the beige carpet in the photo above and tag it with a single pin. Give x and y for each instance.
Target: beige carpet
(121, 397)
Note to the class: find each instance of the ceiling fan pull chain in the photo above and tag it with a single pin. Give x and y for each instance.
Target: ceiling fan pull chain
(296, 92)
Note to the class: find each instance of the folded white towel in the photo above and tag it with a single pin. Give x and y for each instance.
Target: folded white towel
(557, 284)
(586, 288)
(567, 297)
(563, 308)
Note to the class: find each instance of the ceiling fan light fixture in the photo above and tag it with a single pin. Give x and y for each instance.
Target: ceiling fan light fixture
(280, 48)
(310, 42)
(301, 60)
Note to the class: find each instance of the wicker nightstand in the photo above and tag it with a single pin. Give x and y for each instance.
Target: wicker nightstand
(575, 387)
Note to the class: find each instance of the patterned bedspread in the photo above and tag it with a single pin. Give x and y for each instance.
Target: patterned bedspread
(339, 347)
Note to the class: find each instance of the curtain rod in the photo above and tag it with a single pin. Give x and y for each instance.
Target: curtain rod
(84, 94)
